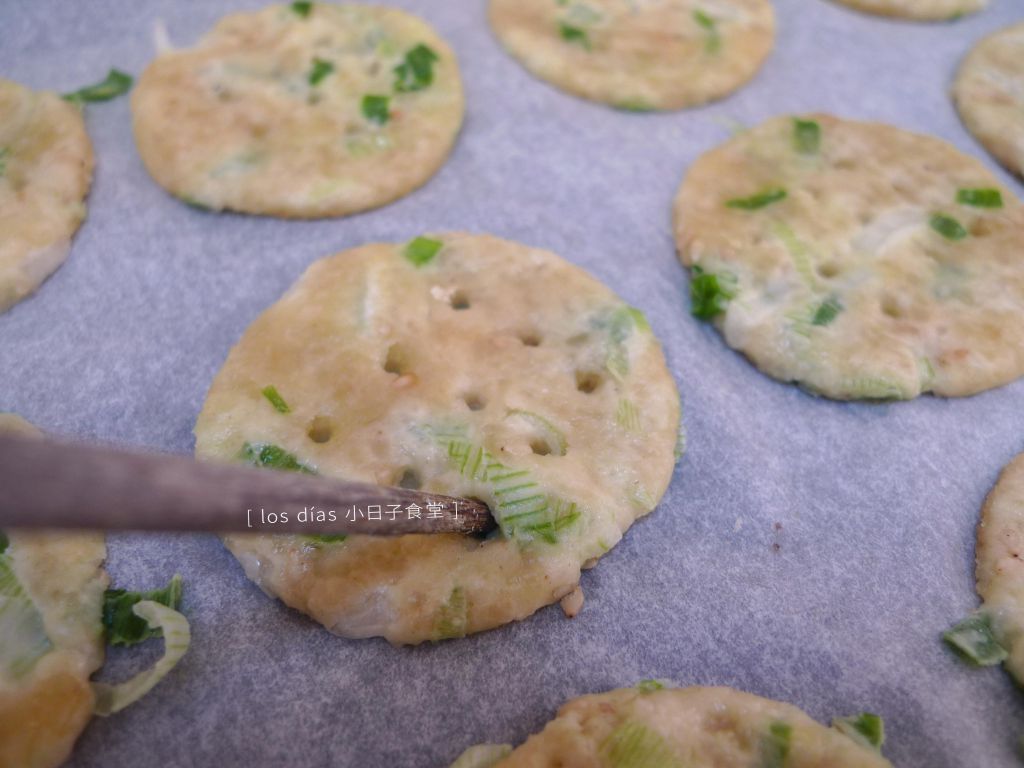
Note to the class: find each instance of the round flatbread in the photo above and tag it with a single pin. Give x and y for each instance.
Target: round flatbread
(45, 170)
(1000, 569)
(856, 259)
(671, 727)
(51, 638)
(639, 54)
(464, 365)
(307, 110)
(918, 10)
(989, 94)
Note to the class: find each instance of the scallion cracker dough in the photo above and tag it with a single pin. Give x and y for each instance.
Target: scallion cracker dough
(45, 169)
(51, 639)
(676, 727)
(918, 10)
(989, 94)
(301, 111)
(857, 259)
(639, 54)
(465, 365)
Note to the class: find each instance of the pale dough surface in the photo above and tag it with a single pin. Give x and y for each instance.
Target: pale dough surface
(236, 122)
(676, 727)
(989, 94)
(46, 166)
(1000, 570)
(917, 311)
(496, 371)
(44, 710)
(918, 10)
(639, 54)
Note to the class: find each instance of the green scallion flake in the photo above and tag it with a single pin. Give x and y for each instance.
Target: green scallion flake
(709, 293)
(375, 108)
(574, 34)
(806, 136)
(274, 457)
(326, 538)
(947, 226)
(760, 200)
(416, 71)
(975, 642)
(321, 69)
(980, 198)
(421, 250)
(865, 727)
(827, 312)
(302, 8)
(649, 686)
(775, 745)
(709, 25)
(115, 84)
(4, 542)
(270, 392)
(122, 625)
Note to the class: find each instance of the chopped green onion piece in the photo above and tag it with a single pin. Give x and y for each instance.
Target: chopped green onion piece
(649, 686)
(806, 136)
(274, 457)
(452, 618)
(23, 638)
(980, 198)
(270, 392)
(483, 756)
(375, 108)
(421, 250)
(160, 620)
(974, 640)
(709, 293)
(416, 72)
(709, 25)
(760, 200)
(947, 226)
(775, 745)
(865, 727)
(573, 34)
(554, 438)
(302, 8)
(327, 538)
(115, 84)
(4, 542)
(634, 745)
(321, 69)
(123, 626)
(827, 312)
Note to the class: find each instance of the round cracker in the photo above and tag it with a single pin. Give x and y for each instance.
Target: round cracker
(989, 94)
(237, 122)
(43, 709)
(845, 285)
(722, 727)
(1000, 570)
(45, 169)
(491, 370)
(639, 54)
(918, 10)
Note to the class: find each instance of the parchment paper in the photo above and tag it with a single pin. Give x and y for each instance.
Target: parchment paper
(807, 551)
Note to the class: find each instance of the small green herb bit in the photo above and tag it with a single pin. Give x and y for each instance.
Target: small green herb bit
(422, 250)
(760, 200)
(865, 727)
(573, 34)
(649, 686)
(416, 72)
(974, 640)
(302, 8)
(806, 136)
(321, 69)
(274, 457)
(827, 312)
(709, 25)
(947, 226)
(326, 538)
(115, 84)
(4, 542)
(980, 198)
(122, 625)
(709, 294)
(270, 392)
(375, 108)
(775, 745)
